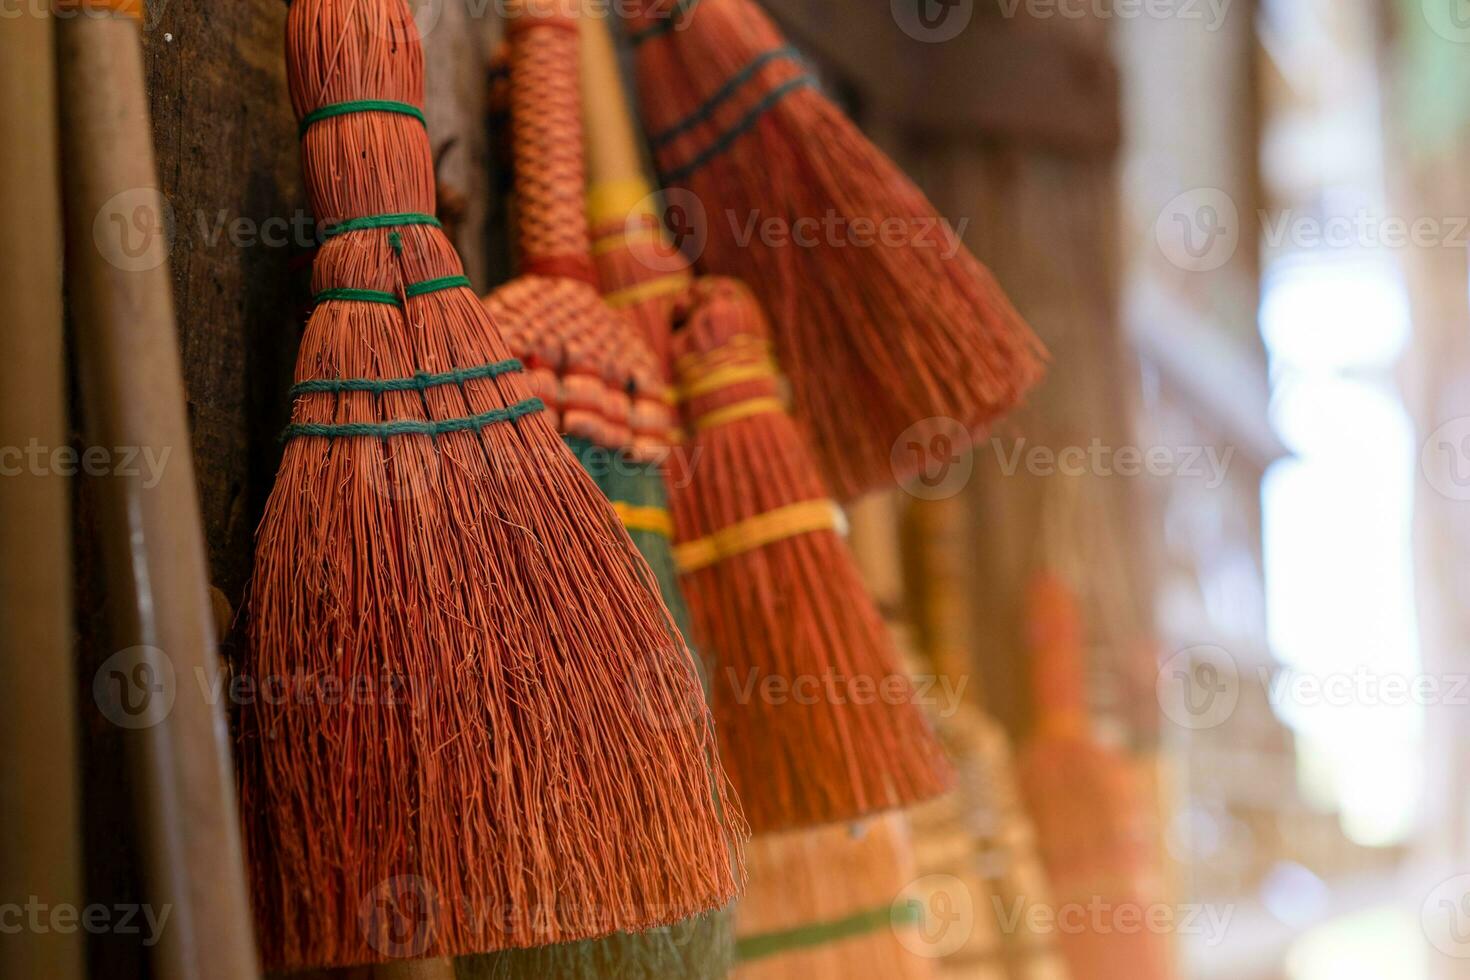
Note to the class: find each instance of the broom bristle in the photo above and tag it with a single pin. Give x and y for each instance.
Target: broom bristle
(826, 902)
(1063, 772)
(882, 319)
(475, 726)
(816, 715)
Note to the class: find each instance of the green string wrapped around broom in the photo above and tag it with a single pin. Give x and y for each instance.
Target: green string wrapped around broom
(832, 902)
(487, 736)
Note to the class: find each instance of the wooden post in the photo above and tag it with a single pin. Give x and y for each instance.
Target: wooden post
(162, 626)
(38, 772)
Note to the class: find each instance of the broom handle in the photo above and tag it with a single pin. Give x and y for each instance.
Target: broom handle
(152, 542)
(616, 176)
(546, 139)
(38, 764)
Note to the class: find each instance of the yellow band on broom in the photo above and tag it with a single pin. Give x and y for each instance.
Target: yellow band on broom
(756, 532)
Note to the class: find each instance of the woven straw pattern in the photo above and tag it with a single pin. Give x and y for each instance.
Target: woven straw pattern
(546, 128)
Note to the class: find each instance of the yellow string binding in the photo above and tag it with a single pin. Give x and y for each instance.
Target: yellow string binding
(805, 517)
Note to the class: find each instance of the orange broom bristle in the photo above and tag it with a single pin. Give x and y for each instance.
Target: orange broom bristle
(816, 715)
(1063, 772)
(882, 319)
(474, 728)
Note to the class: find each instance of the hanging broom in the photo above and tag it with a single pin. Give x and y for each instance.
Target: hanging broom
(817, 719)
(640, 270)
(831, 902)
(1086, 809)
(701, 948)
(979, 835)
(611, 404)
(881, 319)
(527, 769)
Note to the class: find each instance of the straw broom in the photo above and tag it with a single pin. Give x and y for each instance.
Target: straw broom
(1083, 799)
(608, 397)
(881, 318)
(980, 836)
(38, 737)
(640, 270)
(831, 902)
(153, 546)
(513, 779)
(816, 716)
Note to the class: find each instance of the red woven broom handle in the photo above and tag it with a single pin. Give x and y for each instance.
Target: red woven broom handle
(546, 133)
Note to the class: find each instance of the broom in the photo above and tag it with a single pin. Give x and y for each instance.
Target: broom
(501, 782)
(829, 902)
(1082, 798)
(39, 789)
(604, 384)
(980, 835)
(882, 319)
(638, 267)
(817, 719)
(700, 948)
(121, 307)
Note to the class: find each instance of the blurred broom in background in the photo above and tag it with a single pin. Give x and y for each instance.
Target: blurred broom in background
(1090, 819)
(817, 719)
(640, 269)
(830, 902)
(979, 836)
(880, 317)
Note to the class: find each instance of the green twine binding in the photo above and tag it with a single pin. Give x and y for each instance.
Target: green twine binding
(381, 221)
(825, 933)
(703, 112)
(419, 382)
(391, 299)
(362, 105)
(682, 173)
(356, 296)
(413, 427)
